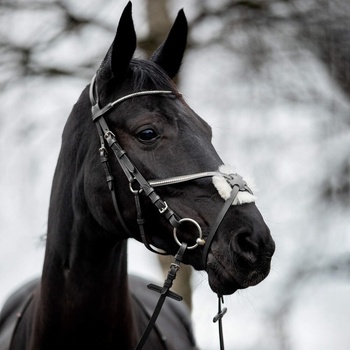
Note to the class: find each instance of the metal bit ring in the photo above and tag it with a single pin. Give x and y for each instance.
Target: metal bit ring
(199, 240)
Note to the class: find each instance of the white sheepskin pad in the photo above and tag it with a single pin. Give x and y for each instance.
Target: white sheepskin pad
(224, 188)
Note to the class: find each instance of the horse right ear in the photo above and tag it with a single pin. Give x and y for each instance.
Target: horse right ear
(169, 55)
(120, 53)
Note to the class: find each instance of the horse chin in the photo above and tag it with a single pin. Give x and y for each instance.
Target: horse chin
(221, 282)
(225, 280)
(222, 286)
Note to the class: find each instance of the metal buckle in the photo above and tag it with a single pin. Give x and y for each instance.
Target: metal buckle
(103, 151)
(163, 210)
(108, 134)
(132, 190)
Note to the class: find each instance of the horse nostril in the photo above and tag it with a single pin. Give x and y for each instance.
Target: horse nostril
(245, 246)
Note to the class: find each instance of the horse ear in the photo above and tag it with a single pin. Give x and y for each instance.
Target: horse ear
(122, 49)
(169, 55)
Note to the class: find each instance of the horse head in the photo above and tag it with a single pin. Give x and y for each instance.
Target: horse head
(155, 135)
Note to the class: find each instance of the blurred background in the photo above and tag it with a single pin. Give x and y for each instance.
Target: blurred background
(272, 77)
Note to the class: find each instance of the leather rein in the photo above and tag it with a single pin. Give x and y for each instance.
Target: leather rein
(138, 184)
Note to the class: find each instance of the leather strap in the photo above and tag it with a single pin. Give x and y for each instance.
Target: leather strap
(147, 313)
(164, 292)
(131, 172)
(237, 184)
(217, 223)
(218, 317)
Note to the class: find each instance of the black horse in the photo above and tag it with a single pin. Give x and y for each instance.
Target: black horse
(141, 130)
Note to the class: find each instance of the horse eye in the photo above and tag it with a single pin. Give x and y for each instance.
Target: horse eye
(147, 135)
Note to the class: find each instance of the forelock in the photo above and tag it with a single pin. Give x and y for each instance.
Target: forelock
(146, 75)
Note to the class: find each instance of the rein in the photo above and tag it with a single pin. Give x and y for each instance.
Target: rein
(135, 178)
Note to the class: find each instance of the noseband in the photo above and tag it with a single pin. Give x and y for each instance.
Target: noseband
(135, 178)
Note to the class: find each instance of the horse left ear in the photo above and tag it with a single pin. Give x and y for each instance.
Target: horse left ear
(122, 49)
(169, 55)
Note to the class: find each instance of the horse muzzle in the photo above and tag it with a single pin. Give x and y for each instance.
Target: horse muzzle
(239, 260)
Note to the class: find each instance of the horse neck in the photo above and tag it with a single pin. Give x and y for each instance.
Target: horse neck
(84, 292)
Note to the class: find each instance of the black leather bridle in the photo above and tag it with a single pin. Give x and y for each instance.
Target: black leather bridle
(147, 187)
